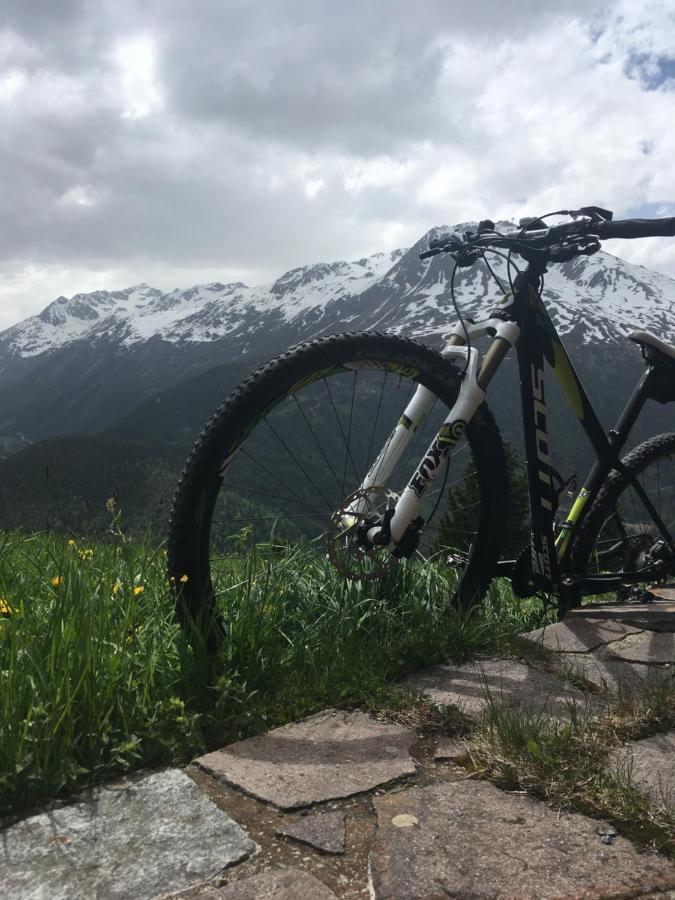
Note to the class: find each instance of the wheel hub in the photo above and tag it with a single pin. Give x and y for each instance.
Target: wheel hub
(349, 548)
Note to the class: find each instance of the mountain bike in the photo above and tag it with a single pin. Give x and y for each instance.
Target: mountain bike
(344, 447)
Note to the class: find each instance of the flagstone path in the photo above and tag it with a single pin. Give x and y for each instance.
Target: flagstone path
(349, 805)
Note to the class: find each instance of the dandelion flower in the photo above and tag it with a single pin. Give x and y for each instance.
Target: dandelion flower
(57, 580)
(183, 579)
(5, 608)
(138, 590)
(72, 543)
(116, 588)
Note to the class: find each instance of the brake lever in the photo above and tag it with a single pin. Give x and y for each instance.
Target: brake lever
(453, 245)
(466, 259)
(585, 246)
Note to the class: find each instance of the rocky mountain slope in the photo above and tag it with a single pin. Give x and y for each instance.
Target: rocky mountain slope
(93, 362)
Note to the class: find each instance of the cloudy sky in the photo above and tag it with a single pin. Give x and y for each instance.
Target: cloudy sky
(179, 141)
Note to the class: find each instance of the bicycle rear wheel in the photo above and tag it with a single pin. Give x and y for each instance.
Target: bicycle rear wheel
(618, 534)
(291, 445)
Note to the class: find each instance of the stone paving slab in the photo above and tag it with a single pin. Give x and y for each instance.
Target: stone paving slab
(136, 838)
(326, 756)
(578, 634)
(656, 616)
(650, 765)
(451, 748)
(276, 884)
(652, 647)
(617, 675)
(509, 682)
(324, 831)
(469, 839)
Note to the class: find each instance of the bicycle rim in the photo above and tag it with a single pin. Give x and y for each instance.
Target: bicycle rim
(294, 443)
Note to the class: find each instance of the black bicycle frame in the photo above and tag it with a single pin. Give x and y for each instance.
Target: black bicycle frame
(539, 343)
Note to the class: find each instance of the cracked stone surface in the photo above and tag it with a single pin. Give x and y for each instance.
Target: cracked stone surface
(617, 675)
(656, 616)
(508, 681)
(137, 838)
(324, 831)
(650, 765)
(645, 647)
(277, 884)
(326, 756)
(469, 839)
(578, 634)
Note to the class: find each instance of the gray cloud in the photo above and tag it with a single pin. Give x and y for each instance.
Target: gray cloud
(191, 137)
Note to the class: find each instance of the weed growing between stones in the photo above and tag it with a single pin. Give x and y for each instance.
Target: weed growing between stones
(96, 677)
(567, 763)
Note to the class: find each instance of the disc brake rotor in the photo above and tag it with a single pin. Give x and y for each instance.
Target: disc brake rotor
(348, 548)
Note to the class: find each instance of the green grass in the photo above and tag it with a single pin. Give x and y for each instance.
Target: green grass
(96, 677)
(567, 763)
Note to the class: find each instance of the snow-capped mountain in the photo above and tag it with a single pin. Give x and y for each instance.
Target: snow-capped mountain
(200, 314)
(602, 295)
(86, 361)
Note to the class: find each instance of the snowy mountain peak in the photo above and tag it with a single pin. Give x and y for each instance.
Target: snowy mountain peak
(599, 298)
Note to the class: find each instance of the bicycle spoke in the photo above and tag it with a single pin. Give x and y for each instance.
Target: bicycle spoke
(337, 418)
(317, 441)
(269, 472)
(294, 457)
(377, 416)
(349, 434)
(250, 490)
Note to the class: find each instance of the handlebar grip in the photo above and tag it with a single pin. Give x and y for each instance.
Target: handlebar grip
(636, 228)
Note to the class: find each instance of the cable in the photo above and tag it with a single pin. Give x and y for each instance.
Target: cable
(461, 319)
(490, 270)
(510, 265)
(441, 492)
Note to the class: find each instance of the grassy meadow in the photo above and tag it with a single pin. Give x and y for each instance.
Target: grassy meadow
(97, 678)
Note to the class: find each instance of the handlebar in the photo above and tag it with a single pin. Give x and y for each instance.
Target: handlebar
(557, 243)
(637, 228)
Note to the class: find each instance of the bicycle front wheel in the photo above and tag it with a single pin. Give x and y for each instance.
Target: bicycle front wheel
(291, 446)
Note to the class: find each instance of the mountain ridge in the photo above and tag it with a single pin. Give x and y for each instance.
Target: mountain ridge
(87, 361)
(144, 369)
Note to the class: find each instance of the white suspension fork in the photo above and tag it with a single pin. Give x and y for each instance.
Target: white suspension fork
(470, 398)
(471, 395)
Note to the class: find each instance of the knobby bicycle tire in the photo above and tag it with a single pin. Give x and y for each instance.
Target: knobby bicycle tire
(618, 507)
(230, 428)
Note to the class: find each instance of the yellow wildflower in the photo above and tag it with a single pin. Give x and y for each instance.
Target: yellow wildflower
(138, 590)
(72, 543)
(57, 580)
(183, 579)
(116, 588)
(86, 554)
(5, 608)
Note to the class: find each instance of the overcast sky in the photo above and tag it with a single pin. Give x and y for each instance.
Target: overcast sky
(183, 141)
